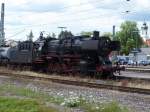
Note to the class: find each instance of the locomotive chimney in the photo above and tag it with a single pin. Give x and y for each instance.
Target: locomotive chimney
(96, 34)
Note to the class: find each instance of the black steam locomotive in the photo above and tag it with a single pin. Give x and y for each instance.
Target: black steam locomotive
(74, 54)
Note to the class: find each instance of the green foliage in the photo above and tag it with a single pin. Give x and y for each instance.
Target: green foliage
(30, 36)
(28, 100)
(105, 107)
(65, 34)
(129, 37)
(145, 46)
(8, 104)
(53, 35)
(113, 107)
(109, 34)
(86, 33)
(25, 92)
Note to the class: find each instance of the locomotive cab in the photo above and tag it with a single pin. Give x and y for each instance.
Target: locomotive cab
(22, 53)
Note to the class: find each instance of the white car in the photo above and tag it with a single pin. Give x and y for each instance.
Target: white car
(143, 62)
(130, 62)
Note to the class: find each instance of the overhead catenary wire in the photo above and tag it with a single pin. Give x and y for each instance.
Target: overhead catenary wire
(80, 11)
(17, 33)
(80, 4)
(84, 3)
(71, 20)
(66, 21)
(85, 10)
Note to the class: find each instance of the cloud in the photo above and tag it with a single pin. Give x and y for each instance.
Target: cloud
(76, 15)
(37, 7)
(138, 16)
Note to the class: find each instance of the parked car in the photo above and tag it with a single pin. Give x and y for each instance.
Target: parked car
(122, 61)
(131, 62)
(143, 62)
(148, 62)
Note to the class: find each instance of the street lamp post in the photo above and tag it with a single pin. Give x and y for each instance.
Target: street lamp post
(62, 28)
(135, 51)
(136, 31)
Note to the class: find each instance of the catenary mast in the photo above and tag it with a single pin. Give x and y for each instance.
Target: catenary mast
(2, 33)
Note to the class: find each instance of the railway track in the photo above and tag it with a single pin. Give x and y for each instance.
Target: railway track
(81, 83)
(138, 69)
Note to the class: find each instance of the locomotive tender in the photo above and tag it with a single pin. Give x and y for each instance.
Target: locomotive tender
(74, 54)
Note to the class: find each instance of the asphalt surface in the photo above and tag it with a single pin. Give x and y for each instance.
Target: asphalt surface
(134, 74)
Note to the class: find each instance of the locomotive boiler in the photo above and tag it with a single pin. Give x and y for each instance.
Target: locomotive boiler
(69, 55)
(78, 54)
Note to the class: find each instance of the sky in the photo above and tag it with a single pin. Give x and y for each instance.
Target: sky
(22, 16)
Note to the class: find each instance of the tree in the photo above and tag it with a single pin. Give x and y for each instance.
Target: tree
(30, 36)
(65, 34)
(86, 33)
(129, 37)
(107, 34)
(53, 35)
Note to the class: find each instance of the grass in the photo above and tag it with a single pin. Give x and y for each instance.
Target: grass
(8, 104)
(106, 107)
(25, 100)
(24, 96)
(11, 90)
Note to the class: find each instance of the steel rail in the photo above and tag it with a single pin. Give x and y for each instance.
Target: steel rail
(81, 83)
(138, 69)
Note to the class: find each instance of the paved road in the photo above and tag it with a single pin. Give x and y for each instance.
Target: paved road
(135, 74)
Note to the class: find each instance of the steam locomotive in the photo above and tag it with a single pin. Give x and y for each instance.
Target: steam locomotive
(73, 54)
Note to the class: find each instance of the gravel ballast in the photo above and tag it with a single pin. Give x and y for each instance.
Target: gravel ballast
(137, 102)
